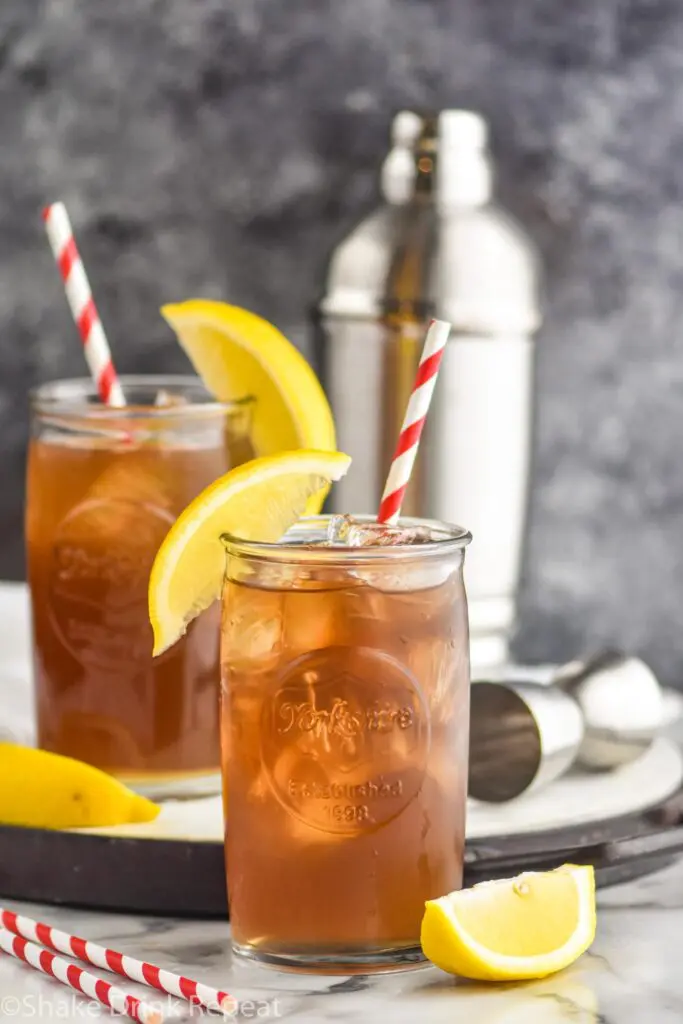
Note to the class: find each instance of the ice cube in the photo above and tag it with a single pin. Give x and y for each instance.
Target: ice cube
(164, 399)
(408, 614)
(440, 664)
(252, 631)
(112, 535)
(408, 577)
(344, 530)
(136, 477)
(338, 530)
(365, 535)
(313, 621)
(258, 645)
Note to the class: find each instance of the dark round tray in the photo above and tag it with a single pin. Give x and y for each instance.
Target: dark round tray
(187, 879)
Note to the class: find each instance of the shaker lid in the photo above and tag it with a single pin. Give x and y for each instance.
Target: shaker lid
(398, 169)
(406, 128)
(463, 170)
(357, 272)
(463, 129)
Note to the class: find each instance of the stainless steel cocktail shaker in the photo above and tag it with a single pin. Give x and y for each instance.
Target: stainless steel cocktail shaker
(438, 247)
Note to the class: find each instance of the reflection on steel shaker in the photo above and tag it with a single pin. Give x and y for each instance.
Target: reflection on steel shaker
(438, 247)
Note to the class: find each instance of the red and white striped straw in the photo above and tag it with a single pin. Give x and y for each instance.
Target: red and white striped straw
(413, 422)
(75, 977)
(109, 960)
(79, 296)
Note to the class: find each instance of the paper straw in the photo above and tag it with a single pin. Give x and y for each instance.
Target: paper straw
(109, 960)
(79, 296)
(75, 977)
(413, 422)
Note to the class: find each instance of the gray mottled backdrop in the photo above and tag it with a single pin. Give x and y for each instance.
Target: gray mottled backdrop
(221, 148)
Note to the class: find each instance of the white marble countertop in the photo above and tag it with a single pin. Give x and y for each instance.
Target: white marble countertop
(632, 975)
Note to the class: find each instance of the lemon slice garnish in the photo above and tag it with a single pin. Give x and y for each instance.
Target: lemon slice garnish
(237, 353)
(257, 501)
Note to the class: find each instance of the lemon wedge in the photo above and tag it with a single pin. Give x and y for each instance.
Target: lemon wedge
(237, 353)
(39, 789)
(513, 929)
(257, 501)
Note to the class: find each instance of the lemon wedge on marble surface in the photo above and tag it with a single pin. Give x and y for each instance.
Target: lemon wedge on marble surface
(257, 501)
(39, 789)
(513, 929)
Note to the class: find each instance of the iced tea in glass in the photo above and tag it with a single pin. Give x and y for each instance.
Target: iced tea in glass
(345, 714)
(104, 485)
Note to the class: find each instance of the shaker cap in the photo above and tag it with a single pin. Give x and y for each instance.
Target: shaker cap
(463, 129)
(463, 170)
(406, 128)
(398, 170)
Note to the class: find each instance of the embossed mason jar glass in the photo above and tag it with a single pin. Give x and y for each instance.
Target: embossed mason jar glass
(345, 716)
(104, 485)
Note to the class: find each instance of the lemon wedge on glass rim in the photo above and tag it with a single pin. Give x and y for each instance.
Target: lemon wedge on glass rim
(513, 929)
(258, 501)
(237, 353)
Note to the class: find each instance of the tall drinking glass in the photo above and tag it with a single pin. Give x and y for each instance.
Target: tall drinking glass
(345, 714)
(104, 485)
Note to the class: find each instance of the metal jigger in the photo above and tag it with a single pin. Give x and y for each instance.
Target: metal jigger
(522, 736)
(600, 713)
(622, 706)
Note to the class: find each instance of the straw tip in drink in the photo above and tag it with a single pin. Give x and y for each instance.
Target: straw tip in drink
(47, 211)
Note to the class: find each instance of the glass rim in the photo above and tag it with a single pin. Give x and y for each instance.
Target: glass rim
(453, 538)
(72, 396)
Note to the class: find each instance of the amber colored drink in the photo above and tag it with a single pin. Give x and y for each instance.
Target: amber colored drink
(345, 714)
(103, 489)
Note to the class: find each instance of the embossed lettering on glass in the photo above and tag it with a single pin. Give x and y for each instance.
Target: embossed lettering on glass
(345, 715)
(104, 485)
